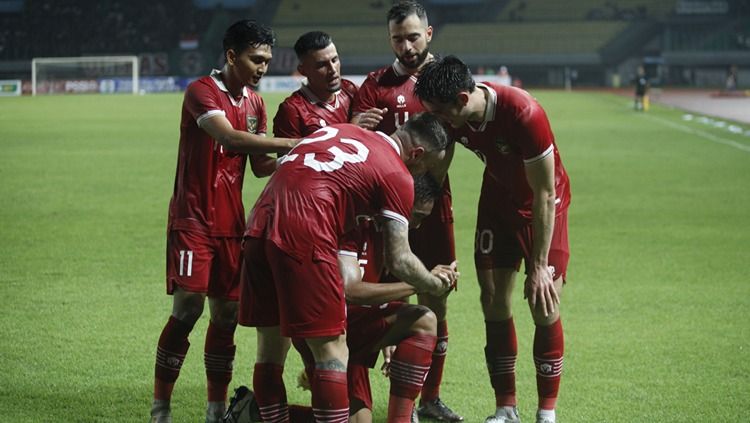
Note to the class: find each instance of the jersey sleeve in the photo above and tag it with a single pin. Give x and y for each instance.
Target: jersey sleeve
(366, 97)
(398, 196)
(286, 122)
(534, 135)
(350, 243)
(202, 103)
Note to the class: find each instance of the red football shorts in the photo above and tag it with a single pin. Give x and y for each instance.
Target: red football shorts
(497, 246)
(305, 298)
(204, 264)
(433, 241)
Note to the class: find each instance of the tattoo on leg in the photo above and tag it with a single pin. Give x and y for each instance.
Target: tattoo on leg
(334, 364)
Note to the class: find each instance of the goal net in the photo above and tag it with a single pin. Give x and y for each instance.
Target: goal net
(95, 74)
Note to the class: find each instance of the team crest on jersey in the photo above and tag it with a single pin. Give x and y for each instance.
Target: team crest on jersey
(463, 141)
(502, 146)
(252, 124)
(322, 123)
(401, 100)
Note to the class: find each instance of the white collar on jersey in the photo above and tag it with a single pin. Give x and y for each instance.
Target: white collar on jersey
(489, 109)
(216, 77)
(390, 141)
(313, 99)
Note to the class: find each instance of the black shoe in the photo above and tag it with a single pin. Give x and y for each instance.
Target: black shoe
(242, 407)
(437, 410)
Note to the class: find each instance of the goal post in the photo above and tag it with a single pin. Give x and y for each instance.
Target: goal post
(103, 74)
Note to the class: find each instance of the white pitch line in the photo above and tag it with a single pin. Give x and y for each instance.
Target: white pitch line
(703, 134)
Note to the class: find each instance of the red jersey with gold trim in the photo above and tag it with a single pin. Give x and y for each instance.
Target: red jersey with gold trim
(515, 132)
(325, 182)
(391, 87)
(302, 113)
(207, 195)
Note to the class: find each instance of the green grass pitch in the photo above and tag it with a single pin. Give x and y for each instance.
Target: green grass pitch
(656, 310)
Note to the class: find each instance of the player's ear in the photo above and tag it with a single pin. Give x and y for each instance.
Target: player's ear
(429, 33)
(300, 69)
(463, 98)
(230, 56)
(417, 152)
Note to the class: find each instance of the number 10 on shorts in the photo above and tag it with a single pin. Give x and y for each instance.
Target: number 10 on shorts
(186, 271)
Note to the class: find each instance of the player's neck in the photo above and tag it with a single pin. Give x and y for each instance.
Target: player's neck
(234, 87)
(323, 95)
(478, 101)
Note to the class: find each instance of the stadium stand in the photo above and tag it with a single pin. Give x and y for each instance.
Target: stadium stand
(326, 12)
(543, 40)
(544, 10)
(526, 38)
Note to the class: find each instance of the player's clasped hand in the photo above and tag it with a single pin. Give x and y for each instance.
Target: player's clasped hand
(371, 118)
(448, 275)
(539, 289)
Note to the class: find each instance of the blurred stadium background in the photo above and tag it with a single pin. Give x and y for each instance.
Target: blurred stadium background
(582, 43)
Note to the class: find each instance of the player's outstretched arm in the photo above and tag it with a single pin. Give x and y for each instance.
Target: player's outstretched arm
(219, 128)
(364, 293)
(407, 267)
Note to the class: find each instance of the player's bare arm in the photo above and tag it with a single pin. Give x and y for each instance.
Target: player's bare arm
(370, 118)
(360, 292)
(539, 288)
(244, 142)
(407, 267)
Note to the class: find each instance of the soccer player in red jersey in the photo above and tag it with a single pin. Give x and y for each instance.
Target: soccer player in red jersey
(522, 214)
(384, 102)
(292, 286)
(222, 121)
(324, 98)
(377, 318)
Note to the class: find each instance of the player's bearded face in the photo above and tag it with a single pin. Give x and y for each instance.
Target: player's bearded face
(410, 41)
(322, 69)
(251, 64)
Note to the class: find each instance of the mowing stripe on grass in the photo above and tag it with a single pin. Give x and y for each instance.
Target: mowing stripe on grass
(699, 133)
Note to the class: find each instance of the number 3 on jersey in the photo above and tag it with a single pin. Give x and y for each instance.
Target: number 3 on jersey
(339, 156)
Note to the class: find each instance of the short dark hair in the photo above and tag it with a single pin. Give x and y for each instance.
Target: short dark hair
(247, 33)
(311, 41)
(426, 188)
(442, 79)
(427, 131)
(404, 9)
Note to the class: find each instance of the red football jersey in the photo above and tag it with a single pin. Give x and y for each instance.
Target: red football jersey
(325, 182)
(366, 243)
(207, 195)
(390, 87)
(515, 132)
(302, 113)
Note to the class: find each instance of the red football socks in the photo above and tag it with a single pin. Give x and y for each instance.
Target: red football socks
(548, 358)
(330, 398)
(409, 365)
(219, 358)
(170, 354)
(500, 352)
(431, 387)
(270, 392)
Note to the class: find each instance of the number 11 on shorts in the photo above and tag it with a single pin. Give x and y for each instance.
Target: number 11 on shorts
(189, 269)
